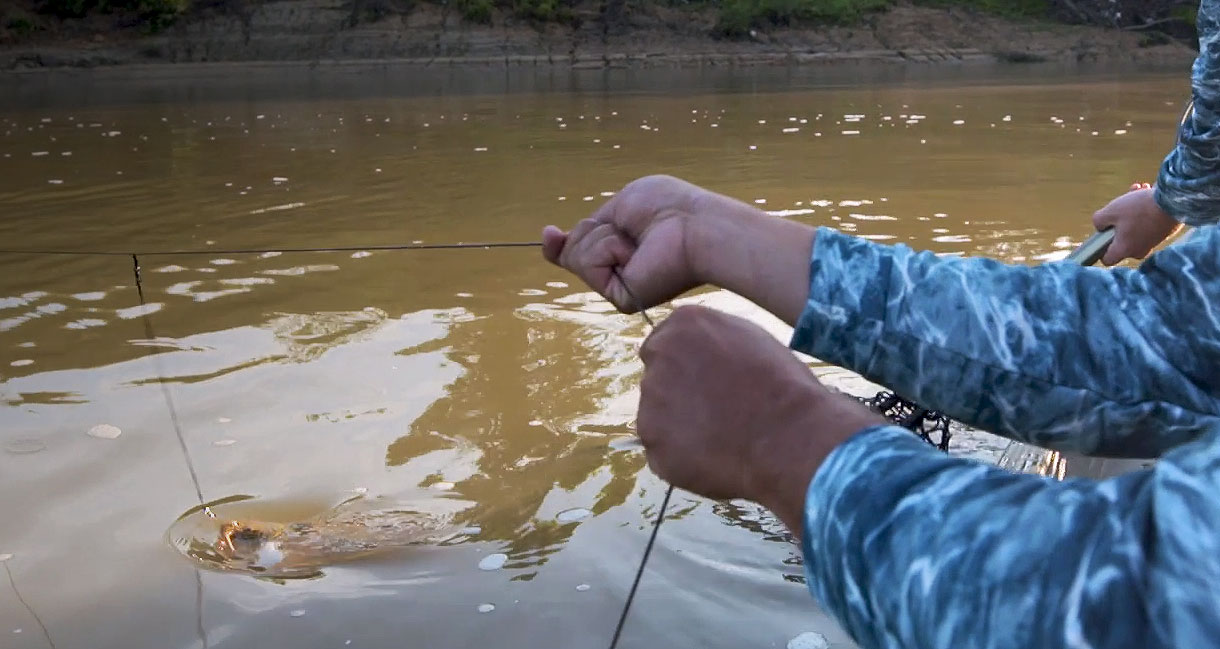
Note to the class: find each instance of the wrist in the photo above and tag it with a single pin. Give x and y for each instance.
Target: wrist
(784, 461)
(744, 250)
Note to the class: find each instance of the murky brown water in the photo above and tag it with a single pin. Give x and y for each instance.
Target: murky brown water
(479, 387)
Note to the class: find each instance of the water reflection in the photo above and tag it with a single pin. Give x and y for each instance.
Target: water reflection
(542, 440)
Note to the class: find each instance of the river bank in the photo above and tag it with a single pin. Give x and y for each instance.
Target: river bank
(322, 32)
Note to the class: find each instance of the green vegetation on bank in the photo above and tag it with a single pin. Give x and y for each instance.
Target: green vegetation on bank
(734, 18)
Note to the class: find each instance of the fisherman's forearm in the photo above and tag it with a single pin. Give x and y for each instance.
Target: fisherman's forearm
(751, 253)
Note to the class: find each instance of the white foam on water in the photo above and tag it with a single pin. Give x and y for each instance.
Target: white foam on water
(22, 362)
(224, 442)
(480, 149)
(89, 297)
(172, 268)
(760, 201)
(223, 262)
(39, 154)
(958, 122)
(443, 486)
(535, 422)
(137, 311)
(486, 608)
(1120, 132)
(279, 179)
(583, 587)
(557, 284)
(851, 132)
(269, 255)
(55, 181)
(51, 307)
(6, 556)
(1007, 118)
(297, 613)
(473, 529)
(105, 431)
(464, 294)
(85, 323)
(493, 561)
(361, 254)
(573, 515)
(809, 640)
(531, 291)
(791, 130)
(277, 208)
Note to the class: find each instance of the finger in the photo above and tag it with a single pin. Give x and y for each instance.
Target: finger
(1135, 186)
(1116, 253)
(1104, 218)
(553, 240)
(576, 241)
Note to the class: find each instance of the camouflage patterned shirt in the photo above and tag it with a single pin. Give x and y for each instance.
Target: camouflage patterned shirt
(911, 548)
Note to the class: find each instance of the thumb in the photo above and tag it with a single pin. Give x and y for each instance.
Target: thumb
(553, 241)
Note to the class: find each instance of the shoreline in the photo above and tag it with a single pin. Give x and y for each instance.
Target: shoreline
(311, 34)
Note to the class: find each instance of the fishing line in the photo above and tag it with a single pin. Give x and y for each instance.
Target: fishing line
(255, 251)
(169, 399)
(656, 526)
(26, 604)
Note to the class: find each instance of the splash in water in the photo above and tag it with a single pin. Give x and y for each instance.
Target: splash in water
(280, 540)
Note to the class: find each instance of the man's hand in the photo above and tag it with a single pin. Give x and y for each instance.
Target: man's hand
(646, 230)
(667, 236)
(726, 411)
(1139, 224)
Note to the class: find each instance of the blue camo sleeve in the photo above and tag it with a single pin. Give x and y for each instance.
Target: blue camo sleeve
(1119, 363)
(1188, 184)
(909, 547)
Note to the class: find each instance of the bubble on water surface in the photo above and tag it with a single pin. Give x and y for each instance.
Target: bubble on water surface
(486, 608)
(809, 640)
(573, 515)
(24, 446)
(105, 431)
(493, 561)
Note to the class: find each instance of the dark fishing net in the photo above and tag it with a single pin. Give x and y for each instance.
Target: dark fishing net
(931, 426)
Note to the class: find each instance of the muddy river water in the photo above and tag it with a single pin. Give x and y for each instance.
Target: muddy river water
(452, 427)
